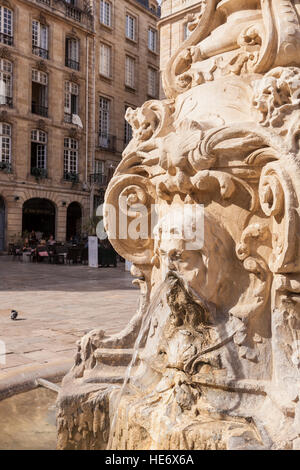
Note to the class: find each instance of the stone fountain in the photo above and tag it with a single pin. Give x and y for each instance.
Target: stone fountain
(211, 359)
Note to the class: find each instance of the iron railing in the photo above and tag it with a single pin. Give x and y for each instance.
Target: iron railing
(6, 166)
(145, 4)
(72, 64)
(71, 176)
(43, 53)
(98, 178)
(6, 39)
(39, 172)
(40, 110)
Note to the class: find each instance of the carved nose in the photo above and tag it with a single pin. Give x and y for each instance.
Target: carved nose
(171, 266)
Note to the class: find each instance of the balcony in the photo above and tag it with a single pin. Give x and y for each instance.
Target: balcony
(98, 178)
(6, 167)
(107, 142)
(39, 173)
(78, 11)
(73, 12)
(40, 110)
(71, 176)
(6, 101)
(5, 39)
(39, 51)
(72, 64)
(145, 4)
(68, 118)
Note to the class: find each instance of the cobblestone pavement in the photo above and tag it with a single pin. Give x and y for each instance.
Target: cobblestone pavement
(57, 305)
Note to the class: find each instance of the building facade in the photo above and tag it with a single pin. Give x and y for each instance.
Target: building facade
(63, 95)
(175, 26)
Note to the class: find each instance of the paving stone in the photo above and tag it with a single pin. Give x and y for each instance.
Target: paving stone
(57, 305)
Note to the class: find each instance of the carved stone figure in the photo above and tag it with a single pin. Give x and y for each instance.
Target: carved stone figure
(214, 349)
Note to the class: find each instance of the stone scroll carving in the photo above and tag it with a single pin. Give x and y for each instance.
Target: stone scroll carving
(216, 365)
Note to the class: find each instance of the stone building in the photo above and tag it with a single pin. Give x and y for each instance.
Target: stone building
(175, 23)
(65, 82)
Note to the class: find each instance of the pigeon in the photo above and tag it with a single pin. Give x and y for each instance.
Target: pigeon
(14, 315)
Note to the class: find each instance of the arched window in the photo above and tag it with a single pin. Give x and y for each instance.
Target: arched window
(5, 146)
(5, 82)
(39, 153)
(71, 159)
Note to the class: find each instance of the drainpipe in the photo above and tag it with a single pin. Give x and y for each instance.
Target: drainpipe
(92, 126)
(87, 111)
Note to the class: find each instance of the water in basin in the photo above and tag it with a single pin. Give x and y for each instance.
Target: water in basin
(27, 421)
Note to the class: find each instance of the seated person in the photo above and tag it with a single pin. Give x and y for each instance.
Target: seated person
(51, 240)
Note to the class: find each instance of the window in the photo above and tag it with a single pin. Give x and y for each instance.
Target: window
(38, 153)
(71, 100)
(127, 130)
(106, 141)
(99, 167)
(105, 13)
(130, 72)
(186, 31)
(131, 27)
(152, 39)
(5, 82)
(70, 159)
(6, 26)
(40, 39)
(39, 93)
(105, 60)
(152, 82)
(72, 53)
(5, 145)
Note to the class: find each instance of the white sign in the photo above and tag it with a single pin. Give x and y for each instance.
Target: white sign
(93, 252)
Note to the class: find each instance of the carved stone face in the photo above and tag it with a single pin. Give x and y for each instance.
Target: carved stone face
(206, 270)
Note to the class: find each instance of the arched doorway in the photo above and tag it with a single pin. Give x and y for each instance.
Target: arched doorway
(74, 216)
(2, 224)
(39, 215)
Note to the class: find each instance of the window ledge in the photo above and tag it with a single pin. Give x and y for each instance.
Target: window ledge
(105, 77)
(130, 89)
(106, 27)
(134, 42)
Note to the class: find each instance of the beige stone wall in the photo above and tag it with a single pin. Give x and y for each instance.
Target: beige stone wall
(114, 88)
(21, 184)
(171, 26)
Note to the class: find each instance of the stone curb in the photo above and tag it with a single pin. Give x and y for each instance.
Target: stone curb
(26, 380)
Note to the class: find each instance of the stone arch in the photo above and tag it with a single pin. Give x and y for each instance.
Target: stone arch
(74, 219)
(39, 214)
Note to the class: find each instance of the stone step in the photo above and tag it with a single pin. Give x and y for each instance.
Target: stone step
(113, 357)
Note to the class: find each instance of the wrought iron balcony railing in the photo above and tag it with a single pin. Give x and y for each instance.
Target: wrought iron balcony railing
(6, 39)
(39, 172)
(43, 53)
(72, 64)
(40, 110)
(6, 101)
(71, 176)
(107, 142)
(68, 117)
(146, 4)
(5, 166)
(98, 178)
